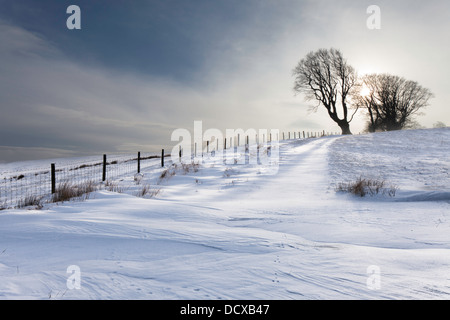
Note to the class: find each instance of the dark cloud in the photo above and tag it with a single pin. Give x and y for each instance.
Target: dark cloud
(126, 82)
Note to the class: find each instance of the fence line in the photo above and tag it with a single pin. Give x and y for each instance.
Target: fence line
(23, 189)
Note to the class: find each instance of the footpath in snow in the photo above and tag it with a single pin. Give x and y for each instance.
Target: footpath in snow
(234, 232)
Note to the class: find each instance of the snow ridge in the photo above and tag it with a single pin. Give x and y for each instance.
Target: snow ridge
(237, 232)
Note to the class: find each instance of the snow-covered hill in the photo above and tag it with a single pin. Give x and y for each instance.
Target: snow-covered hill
(234, 232)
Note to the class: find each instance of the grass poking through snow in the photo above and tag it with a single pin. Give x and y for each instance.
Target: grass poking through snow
(362, 187)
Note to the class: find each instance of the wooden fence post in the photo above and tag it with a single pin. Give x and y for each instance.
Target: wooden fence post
(53, 171)
(162, 158)
(139, 162)
(104, 168)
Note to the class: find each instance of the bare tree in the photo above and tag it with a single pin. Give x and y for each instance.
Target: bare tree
(392, 102)
(439, 124)
(325, 76)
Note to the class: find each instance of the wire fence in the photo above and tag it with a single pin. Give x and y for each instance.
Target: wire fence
(31, 186)
(35, 185)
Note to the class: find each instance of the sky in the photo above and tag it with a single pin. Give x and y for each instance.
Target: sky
(138, 70)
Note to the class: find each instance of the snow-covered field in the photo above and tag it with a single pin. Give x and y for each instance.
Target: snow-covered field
(235, 232)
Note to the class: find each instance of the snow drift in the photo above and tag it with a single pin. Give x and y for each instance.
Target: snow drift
(236, 232)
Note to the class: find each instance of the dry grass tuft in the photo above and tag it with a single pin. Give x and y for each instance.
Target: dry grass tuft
(67, 191)
(30, 201)
(189, 167)
(148, 190)
(184, 168)
(362, 187)
(113, 186)
(168, 173)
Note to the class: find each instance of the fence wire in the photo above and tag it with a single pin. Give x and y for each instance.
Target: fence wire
(31, 187)
(28, 186)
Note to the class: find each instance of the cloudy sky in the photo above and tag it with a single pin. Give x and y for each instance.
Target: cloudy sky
(137, 70)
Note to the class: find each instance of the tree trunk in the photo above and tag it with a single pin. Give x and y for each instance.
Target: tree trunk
(345, 127)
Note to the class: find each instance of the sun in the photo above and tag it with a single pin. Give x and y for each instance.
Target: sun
(365, 91)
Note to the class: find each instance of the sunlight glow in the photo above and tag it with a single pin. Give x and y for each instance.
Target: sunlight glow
(365, 91)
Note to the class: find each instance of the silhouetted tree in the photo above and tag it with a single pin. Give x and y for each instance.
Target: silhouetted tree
(439, 124)
(326, 76)
(391, 102)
